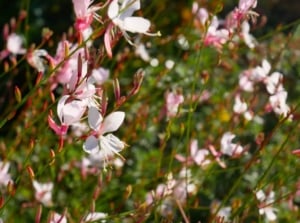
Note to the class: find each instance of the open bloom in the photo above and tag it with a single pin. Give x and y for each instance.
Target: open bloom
(244, 9)
(14, 47)
(198, 156)
(278, 103)
(14, 44)
(229, 148)
(94, 216)
(121, 16)
(106, 145)
(265, 206)
(215, 36)
(57, 218)
(173, 101)
(84, 13)
(43, 192)
(4, 175)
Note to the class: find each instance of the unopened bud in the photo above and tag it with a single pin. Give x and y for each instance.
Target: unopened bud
(117, 90)
(30, 172)
(66, 48)
(38, 214)
(128, 191)
(137, 81)
(31, 144)
(39, 78)
(296, 152)
(18, 94)
(103, 103)
(11, 188)
(2, 201)
(47, 33)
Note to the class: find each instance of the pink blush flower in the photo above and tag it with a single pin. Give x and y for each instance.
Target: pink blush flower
(5, 177)
(70, 112)
(57, 218)
(173, 101)
(43, 192)
(84, 13)
(98, 143)
(229, 148)
(14, 44)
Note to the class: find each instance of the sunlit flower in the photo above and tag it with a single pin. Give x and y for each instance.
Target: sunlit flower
(265, 206)
(245, 81)
(278, 103)
(198, 156)
(43, 192)
(99, 143)
(5, 177)
(173, 100)
(94, 216)
(14, 44)
(239, 107)
(259, 73)
(229, 148)
(57, 218)
(121, 16)
(85, 13)
(244, 9)
(35, 59)
(247, 37)
(274, 83)
(215, 36)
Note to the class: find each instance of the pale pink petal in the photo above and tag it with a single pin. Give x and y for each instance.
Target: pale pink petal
(94, 216)
(113, 9)
(73, 111)
(60, 106)
(108, 41)
(91, 145)
(112, 122)
(94, 118)
(136, 24)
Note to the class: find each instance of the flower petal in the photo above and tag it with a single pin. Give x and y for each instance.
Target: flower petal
(91, 145)
(113, 9)
(112, 122)
(94, 118)
(136, 24)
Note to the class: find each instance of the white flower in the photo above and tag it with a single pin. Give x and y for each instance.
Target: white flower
(57, 218)
(121, 16)
(273, 83)
(94, 216)
(248, 38)
(43, 192)
(265, 206)
(14, 44)
(106, 145)
(70, 112)
(278, 103)
(35, 59)
(239, 107)
(259, 73)
(229, 148)
(4, 175)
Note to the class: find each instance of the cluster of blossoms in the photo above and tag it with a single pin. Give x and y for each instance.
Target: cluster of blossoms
(274, 86)
(81, 78)
(172, 193)
(78, 76)
(219, 32)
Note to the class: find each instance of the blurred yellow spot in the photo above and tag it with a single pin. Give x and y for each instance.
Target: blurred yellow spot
(224, 115)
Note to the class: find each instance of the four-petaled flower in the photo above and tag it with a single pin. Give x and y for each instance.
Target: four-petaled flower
(43, 192)
(107, 145)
